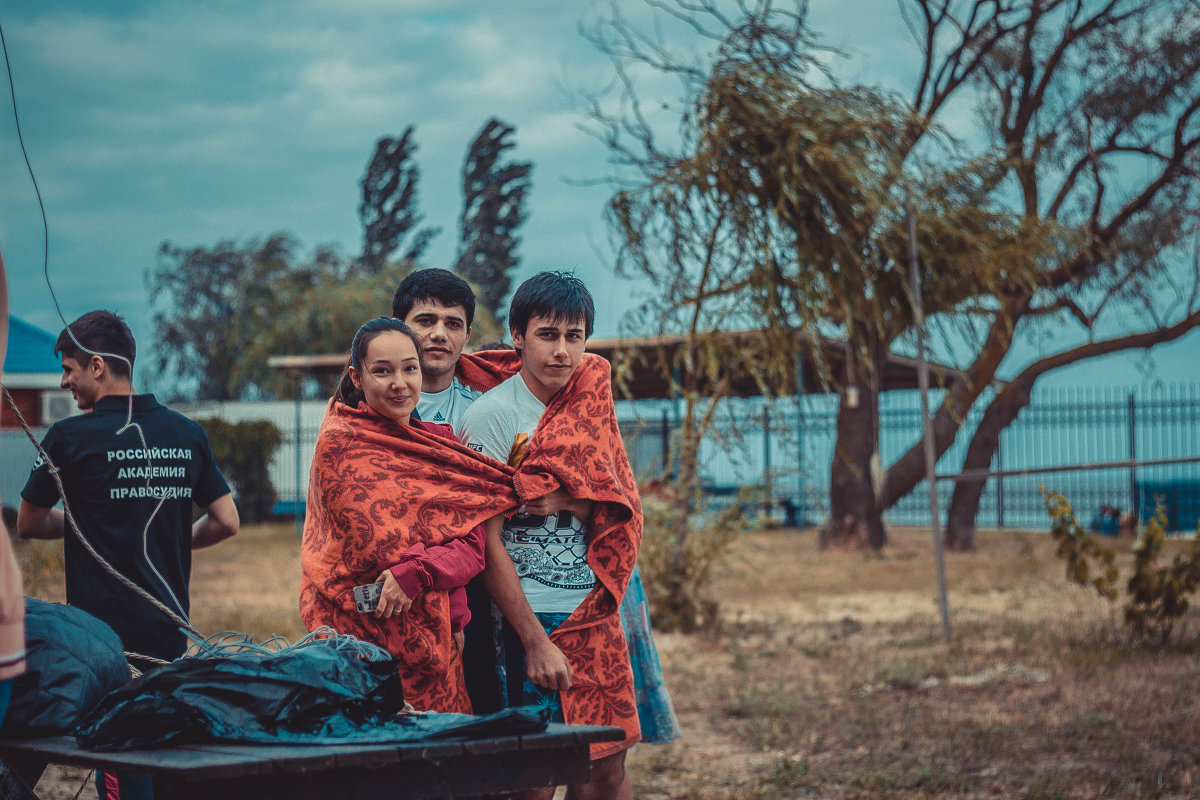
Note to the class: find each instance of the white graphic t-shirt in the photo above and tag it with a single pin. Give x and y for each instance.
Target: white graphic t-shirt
(448, 405)
(549, 552)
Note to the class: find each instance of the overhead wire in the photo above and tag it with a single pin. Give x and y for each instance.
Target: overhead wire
(160, 493)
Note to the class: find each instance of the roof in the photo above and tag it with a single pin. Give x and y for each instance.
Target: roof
(30, 352)
(638, 366)
(638, 375)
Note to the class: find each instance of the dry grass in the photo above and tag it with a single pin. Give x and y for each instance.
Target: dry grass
(828, 677)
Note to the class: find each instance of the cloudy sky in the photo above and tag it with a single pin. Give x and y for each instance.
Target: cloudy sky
(193, 123)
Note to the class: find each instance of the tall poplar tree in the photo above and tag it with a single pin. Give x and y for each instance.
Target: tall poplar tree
(493, 208)
(389, 208)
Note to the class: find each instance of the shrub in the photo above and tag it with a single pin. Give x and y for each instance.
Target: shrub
(677, 574)
(244, 451)
(42, 564)
(1157, 596)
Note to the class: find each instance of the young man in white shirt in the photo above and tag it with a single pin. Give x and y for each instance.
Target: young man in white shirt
(537, 561)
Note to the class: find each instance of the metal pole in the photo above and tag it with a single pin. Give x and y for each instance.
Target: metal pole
(298, 510)
(1133, 493)
(665, 441)
(999, 485)
(914, 279)
(766, 421)
(1131, 465)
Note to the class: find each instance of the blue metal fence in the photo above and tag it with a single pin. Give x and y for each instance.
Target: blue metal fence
(785, 448)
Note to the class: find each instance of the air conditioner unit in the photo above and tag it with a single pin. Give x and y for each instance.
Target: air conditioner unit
(56, 406)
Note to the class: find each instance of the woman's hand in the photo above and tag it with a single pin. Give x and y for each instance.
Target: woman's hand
(392, 600)
(460, 639)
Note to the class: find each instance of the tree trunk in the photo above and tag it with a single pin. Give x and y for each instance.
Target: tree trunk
(909, 469)
(1007, 404)
(855, 516)
(964, 499)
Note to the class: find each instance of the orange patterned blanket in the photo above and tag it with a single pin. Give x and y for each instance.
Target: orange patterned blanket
(578, 445)
(375, 489)
(418, 484)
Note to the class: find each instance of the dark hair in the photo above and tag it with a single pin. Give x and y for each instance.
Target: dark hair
(439, 285)
(347, 392)
(99, 333)
(558, 295)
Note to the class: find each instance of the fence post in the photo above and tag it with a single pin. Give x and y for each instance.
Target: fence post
(766, 422)
(1000, 483)
(665, 438)
(799, 511)
(295, 497)
(1133, 458)
(298, 499)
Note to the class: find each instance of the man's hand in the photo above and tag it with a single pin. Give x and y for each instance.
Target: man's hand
(547, 667)
(560, 500)
(460, 639)
(392, 600)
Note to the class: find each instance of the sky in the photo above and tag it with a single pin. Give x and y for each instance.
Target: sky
(194, 123)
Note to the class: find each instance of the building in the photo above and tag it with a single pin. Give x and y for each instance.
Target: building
(31, 376)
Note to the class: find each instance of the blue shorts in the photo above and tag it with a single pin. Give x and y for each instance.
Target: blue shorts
(515, 686)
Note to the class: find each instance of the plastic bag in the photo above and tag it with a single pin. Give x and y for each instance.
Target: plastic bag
(72, 660)
(326, 692)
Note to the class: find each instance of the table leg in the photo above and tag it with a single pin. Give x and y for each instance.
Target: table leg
(18, 777)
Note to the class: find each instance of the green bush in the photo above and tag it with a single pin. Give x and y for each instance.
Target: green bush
(1157, 596)
(677, 574)
(244, 451)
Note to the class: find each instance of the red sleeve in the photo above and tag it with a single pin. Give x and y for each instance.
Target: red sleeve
(460, 613)
(442, 566)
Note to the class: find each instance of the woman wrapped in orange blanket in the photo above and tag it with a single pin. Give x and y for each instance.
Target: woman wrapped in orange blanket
(396, 500)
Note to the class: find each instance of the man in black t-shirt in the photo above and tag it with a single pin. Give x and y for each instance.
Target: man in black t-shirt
(131, 470)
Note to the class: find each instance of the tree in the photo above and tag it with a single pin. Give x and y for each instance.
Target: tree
(808, 180)
(323, 318)
(388, 209)
(493, 209)
(243, 452)
(1096, 106)
(211, 305)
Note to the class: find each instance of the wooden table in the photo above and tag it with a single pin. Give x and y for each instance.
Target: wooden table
(429, 769)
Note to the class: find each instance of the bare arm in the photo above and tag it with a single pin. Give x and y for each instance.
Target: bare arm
(545, 664)
(35, 522)
(218, 524)
(560, 500)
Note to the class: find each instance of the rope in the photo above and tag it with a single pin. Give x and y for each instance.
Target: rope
(70, 518)
(225, 644)
(222, 644)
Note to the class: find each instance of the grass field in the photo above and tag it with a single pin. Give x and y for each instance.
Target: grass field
(829, 678)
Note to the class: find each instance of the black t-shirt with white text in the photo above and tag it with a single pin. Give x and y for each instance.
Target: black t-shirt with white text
(113, 484)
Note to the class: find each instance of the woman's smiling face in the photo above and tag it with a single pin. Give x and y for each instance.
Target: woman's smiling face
(390, 377)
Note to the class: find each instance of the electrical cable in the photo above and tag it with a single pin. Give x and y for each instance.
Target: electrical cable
(157, 492)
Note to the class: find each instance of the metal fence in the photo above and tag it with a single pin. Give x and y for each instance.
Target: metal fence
(785, 448)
